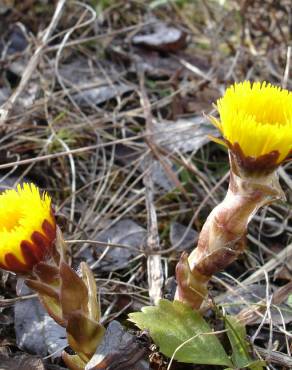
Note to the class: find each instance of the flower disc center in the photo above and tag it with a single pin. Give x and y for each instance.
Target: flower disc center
(10, 221)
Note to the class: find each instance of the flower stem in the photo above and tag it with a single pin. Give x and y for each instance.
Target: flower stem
(223, 236)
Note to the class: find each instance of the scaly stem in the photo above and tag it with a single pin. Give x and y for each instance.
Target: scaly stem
(223, 235)
(71, 301)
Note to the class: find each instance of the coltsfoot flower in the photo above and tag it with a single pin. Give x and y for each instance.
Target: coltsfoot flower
(256, 124)
(27, 228)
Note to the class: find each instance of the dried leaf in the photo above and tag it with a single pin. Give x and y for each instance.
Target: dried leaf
(4, 95)
(16, 40)
(119, 350)
(241, 297)
(90, 88)
(162, 38)
(250, 298)
(159, 175)
(127, 233)
(35, 330)
(184, 135)
(90, 96)
(182, 237)
(23, 362)
(127, 155)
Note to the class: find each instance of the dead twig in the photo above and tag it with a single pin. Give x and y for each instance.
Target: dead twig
(154, 264)
(275, 357)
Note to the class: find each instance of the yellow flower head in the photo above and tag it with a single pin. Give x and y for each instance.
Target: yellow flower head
(256, 123)
(27, 228)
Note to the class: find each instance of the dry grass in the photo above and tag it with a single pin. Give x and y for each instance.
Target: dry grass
(96, 160)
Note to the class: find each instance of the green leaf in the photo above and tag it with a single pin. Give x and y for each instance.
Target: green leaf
(182, 333)
(240, 347)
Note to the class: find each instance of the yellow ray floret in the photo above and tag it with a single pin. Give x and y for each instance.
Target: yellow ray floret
(258, 117)
(27, 227)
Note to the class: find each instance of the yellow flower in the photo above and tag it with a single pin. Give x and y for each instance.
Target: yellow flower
(256, 123)
(27, 228)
